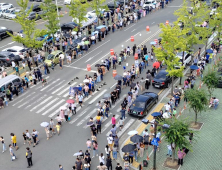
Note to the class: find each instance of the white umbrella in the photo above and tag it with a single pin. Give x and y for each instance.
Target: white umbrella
(63, 108)
(77, 153)
(44, 124)
(133, 132)
(93, 38)
(86, 81)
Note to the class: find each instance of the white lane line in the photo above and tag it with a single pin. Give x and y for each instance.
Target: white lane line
(59, 88)
(79, 115)
(95, 98)
(125, 127)
(109, 124)
(55, 81)
(39, 83)
(56, 85)
(130, 27)
(133, 30)
(47, 105)
(66, 89)
(23, 98)
(28, 101)
(90, 52)
(113, 85)
(98, 61)
(53, 107)
(8, 43)
(86, 117)
(93, 57)
(85, 99)
(36, 101)
(153, 22)
(43, 102)
(117, 126)
(56, 111)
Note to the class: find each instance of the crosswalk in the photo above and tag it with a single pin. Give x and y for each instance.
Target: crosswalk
(47, 100)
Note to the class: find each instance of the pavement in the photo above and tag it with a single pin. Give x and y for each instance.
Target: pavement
(207, 138)
(39, 104)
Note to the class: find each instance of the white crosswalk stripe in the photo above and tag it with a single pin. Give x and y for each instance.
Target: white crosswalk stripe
(95, 98)
(54, 106)
(56, 85)
(86, 117)
(23, 99)
(108, 125)
(35, 102)
(77, 116)
(87, 98)
(43, 102)
(66, 89)
(28, 101)
(49, 85)
(47, 105)
(56, 111)
(125, 127)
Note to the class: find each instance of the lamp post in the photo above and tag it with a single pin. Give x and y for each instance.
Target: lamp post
(57, 9)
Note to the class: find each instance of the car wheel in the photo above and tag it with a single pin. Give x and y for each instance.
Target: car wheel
(0, 38)
(167, 85)
(6, 64)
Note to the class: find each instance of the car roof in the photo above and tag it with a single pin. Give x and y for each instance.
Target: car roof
(142, 98)
(55, 52)
(5, 52)
(7, 78)
(16, 47)
(163, 71)
(150, 94)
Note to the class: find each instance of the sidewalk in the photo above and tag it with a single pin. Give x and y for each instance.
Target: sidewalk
(204, 155)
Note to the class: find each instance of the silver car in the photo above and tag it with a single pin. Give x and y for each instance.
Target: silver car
(8, 12)
(13, 14)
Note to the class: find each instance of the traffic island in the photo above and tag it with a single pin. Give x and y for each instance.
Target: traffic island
(171, 164)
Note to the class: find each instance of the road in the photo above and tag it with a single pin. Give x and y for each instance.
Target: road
(39, 104)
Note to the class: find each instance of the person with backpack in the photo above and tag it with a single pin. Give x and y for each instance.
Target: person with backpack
(98, 126)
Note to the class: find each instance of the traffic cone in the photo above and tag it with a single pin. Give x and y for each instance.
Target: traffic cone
(180, 111)
(200, 85)
(184, 106)
(147, 158)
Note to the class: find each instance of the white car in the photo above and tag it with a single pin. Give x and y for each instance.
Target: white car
(8, 12)
(149, 3)
(187, 59)
(67, 2)
(16, 50)
(6, 6)
(13, 14)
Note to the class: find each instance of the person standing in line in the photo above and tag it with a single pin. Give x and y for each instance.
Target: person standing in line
(116, 142)
(123, 113)
(98, 126)
(114, 152)
(102, 158)
(26, 82)
(29, 157)
(180, 155)
(60, 62)
(3, 144)
(109, 163)
(13, 157)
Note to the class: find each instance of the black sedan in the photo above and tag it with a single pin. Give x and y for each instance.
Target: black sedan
(143, 103)
(4, 32)
(6, 58)
(162, 80)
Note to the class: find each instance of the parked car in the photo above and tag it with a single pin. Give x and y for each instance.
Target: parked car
(16, 50)
(121, 2)
(67, 2)
(13, 14)
(35, 8)
(2, 11)
(6, 58)
(3, 32)
(112, 6)
(8, 12)
(149, 3)
(220, 77)
(143, 104)
(6, 6)
(186, 60)
(161, 80)
(34, 16)
(45, 37)
(67, 27)
(53, 56)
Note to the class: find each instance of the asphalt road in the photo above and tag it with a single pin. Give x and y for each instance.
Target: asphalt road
(39, 104)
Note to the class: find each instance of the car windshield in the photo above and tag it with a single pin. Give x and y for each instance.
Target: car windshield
(50, 56)
(147, 2)
(161, 76)
(7, 11)
(139, 104)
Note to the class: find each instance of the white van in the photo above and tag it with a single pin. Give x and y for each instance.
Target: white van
(67, 2)
(6, 81)
(186, 60)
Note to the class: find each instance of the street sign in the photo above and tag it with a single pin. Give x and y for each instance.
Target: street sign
(154, 142)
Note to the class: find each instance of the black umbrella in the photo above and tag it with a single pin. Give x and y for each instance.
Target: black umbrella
(118, 77)
(136, 138)
(97, 65)
(106, 96)
(128, 148)
(90, 123)
(132, 85)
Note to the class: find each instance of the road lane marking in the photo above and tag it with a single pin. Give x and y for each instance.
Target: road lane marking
(95, 98)
(53, 107)
(77, 116)
(47, 105)
(66, 89)
(43, 102)
(86, 117)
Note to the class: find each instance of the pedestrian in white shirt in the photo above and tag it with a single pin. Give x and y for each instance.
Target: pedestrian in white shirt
(102, 158)
(73, 106)
(13, 65)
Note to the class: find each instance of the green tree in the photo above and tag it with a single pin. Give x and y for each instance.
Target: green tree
(28, 26)
(211, 80)
(171, 41)
(177, 135)
(50, 15)
(78, 11)
(197, 100)
(98, 5)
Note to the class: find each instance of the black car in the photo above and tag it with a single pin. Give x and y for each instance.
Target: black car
(6, 58)
(35, 8)
(112, 6)
(143, 103)
(34, 16)
(220, 77)
(162, 79)
(3, 32)
(121, 2)
(67, 27)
